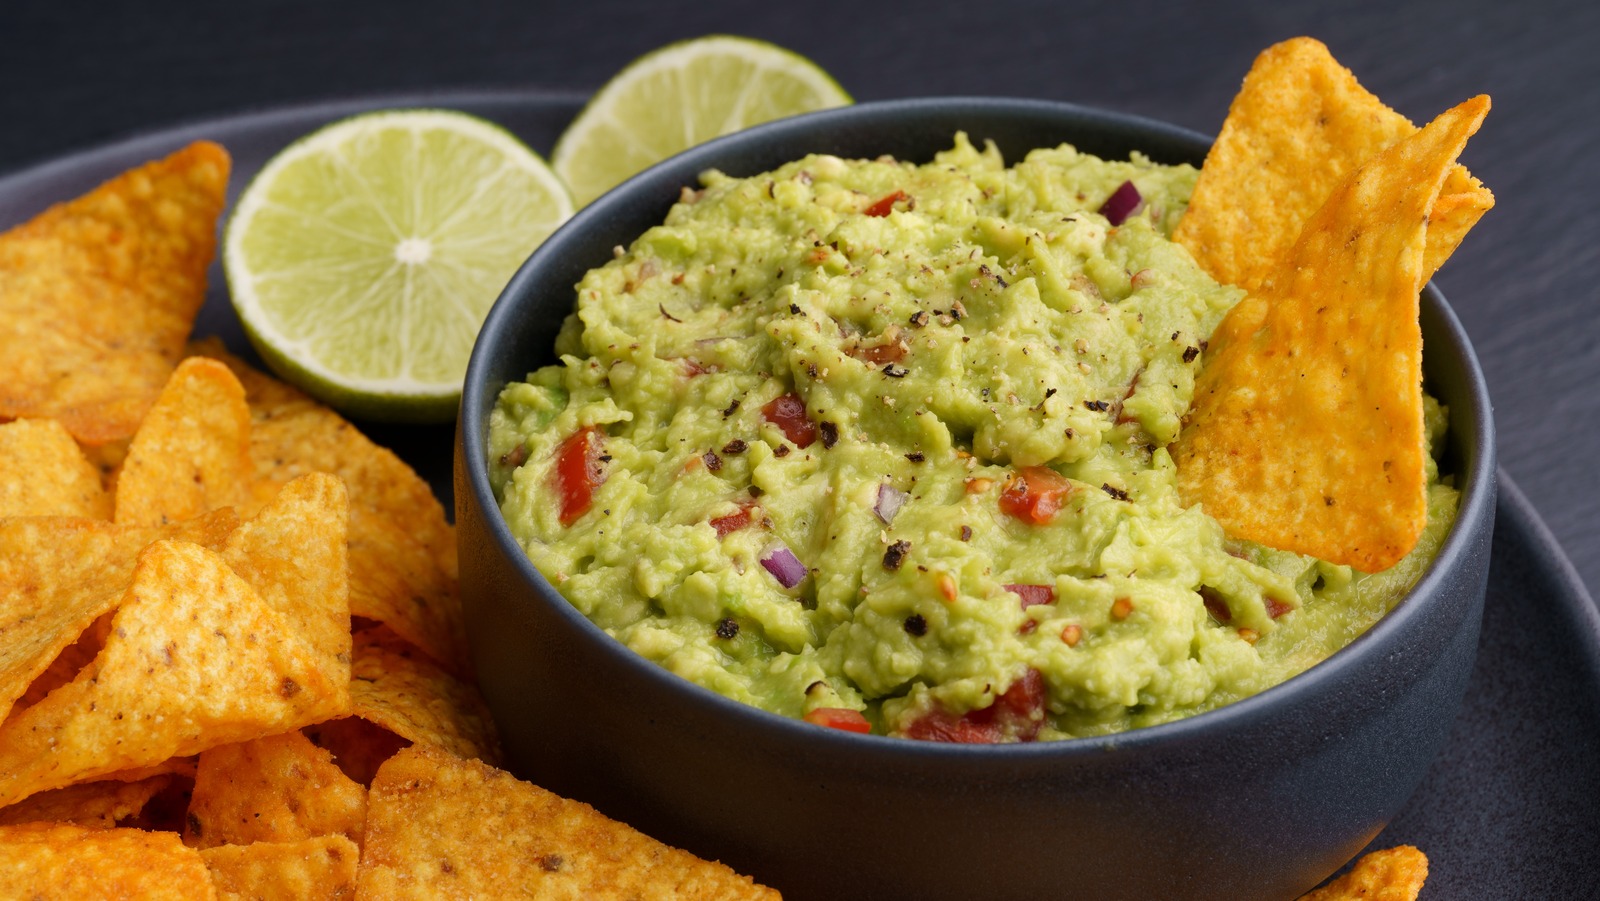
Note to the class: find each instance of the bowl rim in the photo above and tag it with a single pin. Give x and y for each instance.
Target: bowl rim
(1477, 482)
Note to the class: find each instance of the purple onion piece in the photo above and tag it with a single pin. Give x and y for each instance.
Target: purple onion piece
(784, 566)
(890, 500)
(1123, 202)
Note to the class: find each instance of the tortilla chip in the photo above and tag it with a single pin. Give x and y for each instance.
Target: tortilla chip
(292, 434)
(1306, 432)
(1299, 125)
(47, 474)
(177, 766)
(439, 826)
(192, 452)
(323, 868)
(395, 687)
(60, 862)
(280, 788)
(358, 747)
(65, 667)
(100, 805)
(58, 575)
(195, 659)
(1393, 875)
(97, 295)
(394, 581)
(293, 554)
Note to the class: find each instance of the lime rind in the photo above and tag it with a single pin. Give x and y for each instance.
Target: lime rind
(676, 97)
(364, 256)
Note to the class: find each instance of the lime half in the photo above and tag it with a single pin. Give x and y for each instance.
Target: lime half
(364, 257)
(682, 95)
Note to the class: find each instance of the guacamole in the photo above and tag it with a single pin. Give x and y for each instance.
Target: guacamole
(884, 446)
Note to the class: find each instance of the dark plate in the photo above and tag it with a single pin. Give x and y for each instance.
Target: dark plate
(1511, 809)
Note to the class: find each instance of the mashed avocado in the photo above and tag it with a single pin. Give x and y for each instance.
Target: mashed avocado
(885, 445)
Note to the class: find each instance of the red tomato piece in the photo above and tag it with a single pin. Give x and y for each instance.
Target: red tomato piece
(788, 413)
(884, 205)
(839, 718)
(1033, 595)
(733, 522)
(940, 725)
(1023, 702)
(1034, 495)
(579, 472)
(1018, 712)
(879, 354)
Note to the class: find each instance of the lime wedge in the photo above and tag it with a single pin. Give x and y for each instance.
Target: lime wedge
(364, 257)
(682, 95)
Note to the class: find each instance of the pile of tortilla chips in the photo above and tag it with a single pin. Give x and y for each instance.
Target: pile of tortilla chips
(224, 613)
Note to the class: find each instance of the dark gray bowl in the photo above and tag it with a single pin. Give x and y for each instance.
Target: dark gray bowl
(1259, 800)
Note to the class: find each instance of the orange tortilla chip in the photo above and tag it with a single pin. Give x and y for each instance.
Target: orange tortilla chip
(1306, 432)
(394, 686)
(192, 452)
(47, 474)
(358, 747)
(439, 826)
(394, 581)
(195, 658)
(292, 434)
(1393, 875)
(66, 862)
(293, 554)
(97, 295)
(101, 805)
(323, 868)
(1299, 125)
(281, 788)
(58, 575)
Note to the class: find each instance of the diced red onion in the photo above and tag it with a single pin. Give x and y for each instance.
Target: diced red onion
(1123, 202)
(784, 566)
(890, 500)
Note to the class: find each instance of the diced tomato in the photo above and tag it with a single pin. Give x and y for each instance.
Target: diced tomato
(884, 205)
(1275, 607)
(839, 718)
(1033, 595)
(733, 522)
(788, 413)
(1034, 495)
(1018, 713)
(579, 472)
(879, 354)
(1024, 700)
(940, 725)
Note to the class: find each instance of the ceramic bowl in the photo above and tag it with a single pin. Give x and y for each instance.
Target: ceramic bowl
(1261, 799)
